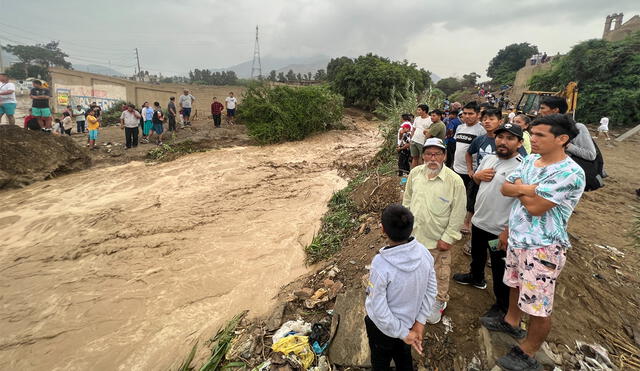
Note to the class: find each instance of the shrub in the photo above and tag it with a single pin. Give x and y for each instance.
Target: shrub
(111, 116)
(285, 113)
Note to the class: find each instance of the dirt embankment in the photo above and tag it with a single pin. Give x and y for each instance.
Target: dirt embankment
(29, 156)
(123, 267)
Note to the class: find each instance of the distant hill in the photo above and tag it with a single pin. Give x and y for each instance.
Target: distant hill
(100, 70)
(297, 64)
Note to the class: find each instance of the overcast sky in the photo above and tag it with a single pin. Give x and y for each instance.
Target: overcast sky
(446, 37)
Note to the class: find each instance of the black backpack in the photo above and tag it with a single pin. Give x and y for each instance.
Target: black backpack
(593, 170)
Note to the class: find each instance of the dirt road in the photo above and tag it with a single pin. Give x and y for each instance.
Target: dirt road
(122, 267)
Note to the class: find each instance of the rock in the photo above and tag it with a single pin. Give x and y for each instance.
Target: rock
(350, 347)
(328, 283)
(304, 293)
(353, 262)
(28, 156)
(496, 344)
(275, 319)
(331, 274)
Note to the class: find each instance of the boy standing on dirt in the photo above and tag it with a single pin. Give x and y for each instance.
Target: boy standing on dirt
(400, 293)
(216, 112)
(231, 107)
(547, 187)
(186, 102)
(420, 124)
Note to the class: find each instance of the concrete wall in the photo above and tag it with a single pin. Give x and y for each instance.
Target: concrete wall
(522, 79)
(77, 87)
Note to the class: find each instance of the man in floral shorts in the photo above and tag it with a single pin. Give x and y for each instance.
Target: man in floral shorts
(548, 185)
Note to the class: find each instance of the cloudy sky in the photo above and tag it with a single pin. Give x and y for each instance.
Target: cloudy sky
(446, 37)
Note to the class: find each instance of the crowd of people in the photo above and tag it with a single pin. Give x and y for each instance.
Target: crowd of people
(508, 181)
(148, 119)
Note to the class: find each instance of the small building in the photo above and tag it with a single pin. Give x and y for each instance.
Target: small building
(615, 30)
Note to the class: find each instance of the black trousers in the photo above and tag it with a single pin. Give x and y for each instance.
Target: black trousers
(451, 151)
(384, 349)
(80, 126)
(217, 120)
(131, 136)
(479, 249)
(172, 123)
(404, 166)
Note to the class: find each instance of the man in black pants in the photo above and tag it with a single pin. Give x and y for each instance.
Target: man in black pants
(129, 120)
(491, 216)
(171, 113)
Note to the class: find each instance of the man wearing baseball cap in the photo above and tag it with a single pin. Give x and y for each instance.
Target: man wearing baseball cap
(437, 198)
(491, 216)
(404, 142)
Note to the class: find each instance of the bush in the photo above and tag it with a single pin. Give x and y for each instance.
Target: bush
(608, 76)
(111, 116)
(404, 101)
(284, 113)
(369, 80)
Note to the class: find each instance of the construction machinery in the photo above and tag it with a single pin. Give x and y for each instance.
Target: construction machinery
(530, 100)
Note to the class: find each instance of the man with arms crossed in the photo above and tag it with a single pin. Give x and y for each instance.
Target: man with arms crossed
(547, 187)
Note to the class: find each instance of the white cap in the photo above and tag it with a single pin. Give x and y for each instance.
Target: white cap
(434, 142)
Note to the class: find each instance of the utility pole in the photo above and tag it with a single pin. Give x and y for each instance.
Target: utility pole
(1, 60)
(138, 59)
(256, 66)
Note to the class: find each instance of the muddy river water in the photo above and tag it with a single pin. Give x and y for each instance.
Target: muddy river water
(121, 268)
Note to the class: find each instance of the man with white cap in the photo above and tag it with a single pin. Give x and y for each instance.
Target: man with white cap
(437, 198)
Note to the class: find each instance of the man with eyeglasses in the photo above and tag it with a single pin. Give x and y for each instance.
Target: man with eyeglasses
(437, 198)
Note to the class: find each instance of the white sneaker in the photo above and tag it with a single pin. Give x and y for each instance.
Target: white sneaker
(436, 312)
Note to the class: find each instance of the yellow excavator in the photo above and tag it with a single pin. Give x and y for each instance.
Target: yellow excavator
(529, 102)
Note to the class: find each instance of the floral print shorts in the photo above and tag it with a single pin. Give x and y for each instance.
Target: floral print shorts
(535, 272)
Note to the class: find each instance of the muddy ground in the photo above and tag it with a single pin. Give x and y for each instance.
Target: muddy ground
(125, 265)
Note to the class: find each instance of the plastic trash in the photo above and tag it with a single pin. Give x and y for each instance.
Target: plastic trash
(298, 327)
(298, 345)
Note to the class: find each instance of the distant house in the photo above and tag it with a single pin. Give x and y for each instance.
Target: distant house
(620, 30)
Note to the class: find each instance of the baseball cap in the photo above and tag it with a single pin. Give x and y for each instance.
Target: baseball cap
(511, 128)
(406, 126)
(434, 142)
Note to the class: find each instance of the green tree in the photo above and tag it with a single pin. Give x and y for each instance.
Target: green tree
(320, 75)
(449, 85)
(299, 77)
(608, 77)
(272, 75)
(291, 76)
(42, 55)
(282, 77)
(470, 80)
(369, 79)
(503, 67)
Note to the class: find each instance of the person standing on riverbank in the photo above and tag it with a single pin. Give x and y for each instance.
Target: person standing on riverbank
(8, 100)
(216, 112)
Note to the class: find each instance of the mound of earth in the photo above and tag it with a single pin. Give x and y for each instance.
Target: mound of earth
(29, 156)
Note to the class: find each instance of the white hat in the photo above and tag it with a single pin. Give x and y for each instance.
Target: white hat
(434, 142)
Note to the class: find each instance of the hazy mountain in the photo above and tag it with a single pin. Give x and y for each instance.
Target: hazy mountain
(435, 78)
(100, 70)
(297, 64)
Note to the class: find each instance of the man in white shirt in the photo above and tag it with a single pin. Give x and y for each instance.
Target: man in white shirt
(420, 123)
(469, 130)
(186, 102)
(129, 121)
(604, 128)
(79, 115)
(231, 103)
(7, 99)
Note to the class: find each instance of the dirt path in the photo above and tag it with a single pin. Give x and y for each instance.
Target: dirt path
(120, 268)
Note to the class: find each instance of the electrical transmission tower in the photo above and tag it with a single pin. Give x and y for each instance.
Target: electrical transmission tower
(256, 66)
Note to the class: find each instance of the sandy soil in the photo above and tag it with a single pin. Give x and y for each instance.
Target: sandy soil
(123, 267)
